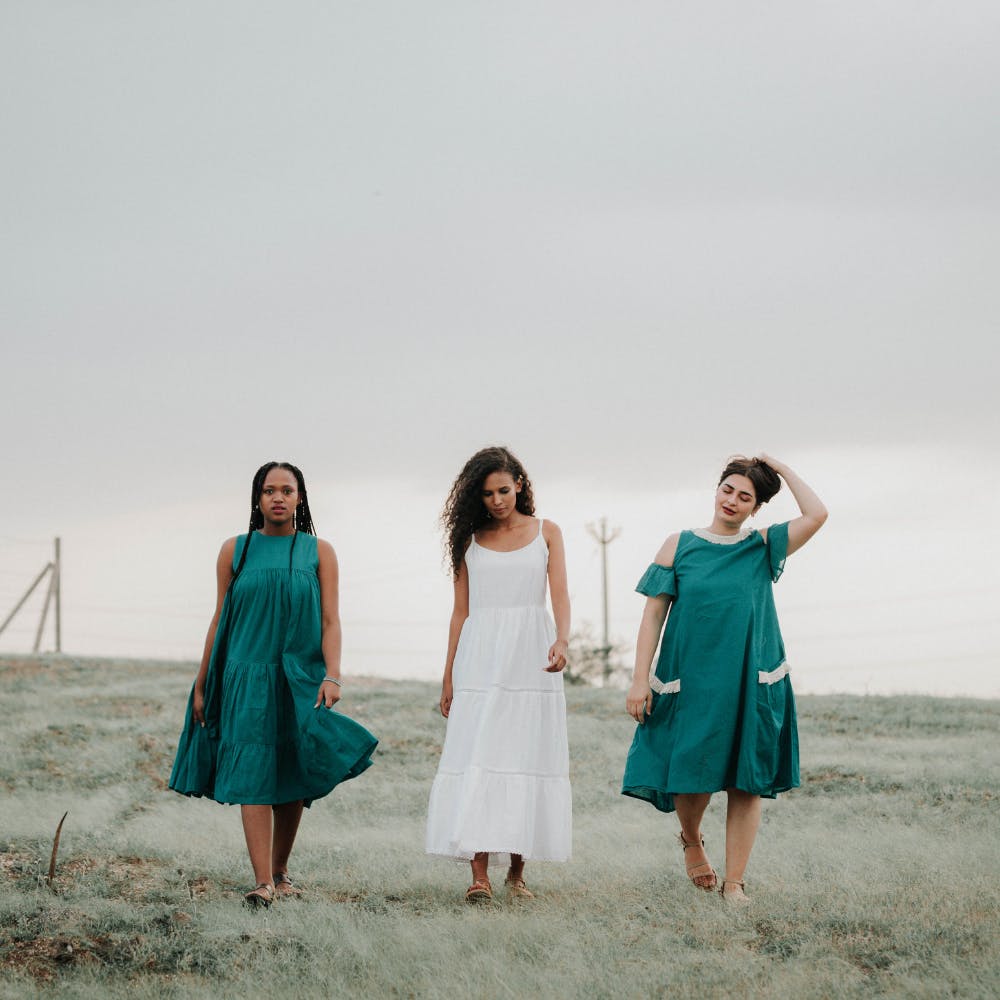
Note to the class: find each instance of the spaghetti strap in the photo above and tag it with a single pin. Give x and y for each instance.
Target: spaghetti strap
(541, 521)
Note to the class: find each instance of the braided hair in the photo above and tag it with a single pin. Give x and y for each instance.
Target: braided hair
(464, 512)
(302, 518)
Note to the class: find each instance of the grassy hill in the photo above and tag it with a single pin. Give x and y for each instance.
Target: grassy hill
(878, 877)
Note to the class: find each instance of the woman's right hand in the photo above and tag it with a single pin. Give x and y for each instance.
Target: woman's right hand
(198, 706)
(639, 701)
(446, 698)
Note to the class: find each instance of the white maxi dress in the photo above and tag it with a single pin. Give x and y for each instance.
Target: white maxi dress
(502, 785)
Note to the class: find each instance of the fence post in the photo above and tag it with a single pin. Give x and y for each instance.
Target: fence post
(27, 594)
(58, 585)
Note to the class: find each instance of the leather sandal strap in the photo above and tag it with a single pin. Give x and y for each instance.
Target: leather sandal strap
(686, 845)
(704, 864)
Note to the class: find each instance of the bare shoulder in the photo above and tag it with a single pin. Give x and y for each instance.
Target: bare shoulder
(228, 549)
(665, 557)
(551, 532)
(325, 551)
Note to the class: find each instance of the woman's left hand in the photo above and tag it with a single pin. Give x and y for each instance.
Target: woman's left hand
(328, 695)
(557, 656)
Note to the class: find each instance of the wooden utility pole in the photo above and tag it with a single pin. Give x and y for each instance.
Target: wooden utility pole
(53, 593)
(605, 538)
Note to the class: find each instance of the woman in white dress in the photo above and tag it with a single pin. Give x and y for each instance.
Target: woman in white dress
(502, 787)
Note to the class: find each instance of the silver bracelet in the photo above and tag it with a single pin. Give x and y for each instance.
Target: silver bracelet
(333, 680)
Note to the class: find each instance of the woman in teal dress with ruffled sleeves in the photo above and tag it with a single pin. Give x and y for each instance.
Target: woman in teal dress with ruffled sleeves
(260, 729)
(718, 712)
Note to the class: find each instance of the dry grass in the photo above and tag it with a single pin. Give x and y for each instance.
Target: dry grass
(868, 881)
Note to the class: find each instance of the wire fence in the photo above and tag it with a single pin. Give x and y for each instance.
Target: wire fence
(954, 624)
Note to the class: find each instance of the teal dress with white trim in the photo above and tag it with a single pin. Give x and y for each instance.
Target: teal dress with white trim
(723, 710)
(264, 741)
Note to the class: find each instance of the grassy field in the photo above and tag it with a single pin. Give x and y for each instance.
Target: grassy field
(878, 877)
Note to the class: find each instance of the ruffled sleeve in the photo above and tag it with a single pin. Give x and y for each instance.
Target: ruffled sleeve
(658, 580)
(777, 549)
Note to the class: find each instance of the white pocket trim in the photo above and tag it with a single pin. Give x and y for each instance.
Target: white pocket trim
(772, 676)
(670, 687)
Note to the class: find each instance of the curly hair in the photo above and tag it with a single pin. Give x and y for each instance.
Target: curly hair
(464, 512)
(766, 482)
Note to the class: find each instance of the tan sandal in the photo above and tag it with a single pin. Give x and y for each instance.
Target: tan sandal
(691, 869)
(285, 887)
(737, 898)
(479, 892)
(260, 897)
(516, 888)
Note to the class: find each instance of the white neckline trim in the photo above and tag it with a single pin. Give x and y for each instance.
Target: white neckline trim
(710, 536)
(507, 552)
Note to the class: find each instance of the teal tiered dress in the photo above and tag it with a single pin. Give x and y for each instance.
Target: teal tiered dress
(723, 711)
(264, 742)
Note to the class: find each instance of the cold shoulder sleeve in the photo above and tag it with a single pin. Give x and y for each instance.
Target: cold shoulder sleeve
(777, 549)
(658, 580)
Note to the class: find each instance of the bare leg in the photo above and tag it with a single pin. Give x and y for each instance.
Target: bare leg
(480, 891)
(257, 830)
(516, 889)
(286, 825)
(742, 823)
(516, 866)
(690, 810)
(480, 866)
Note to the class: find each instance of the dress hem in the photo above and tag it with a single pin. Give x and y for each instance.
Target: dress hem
(502, 852)
(664, 801)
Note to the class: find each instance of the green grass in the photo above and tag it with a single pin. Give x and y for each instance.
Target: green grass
(878, 877)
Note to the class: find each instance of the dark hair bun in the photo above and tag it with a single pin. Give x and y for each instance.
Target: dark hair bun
(766, 482)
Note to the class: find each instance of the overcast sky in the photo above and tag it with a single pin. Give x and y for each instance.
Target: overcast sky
(626, 239)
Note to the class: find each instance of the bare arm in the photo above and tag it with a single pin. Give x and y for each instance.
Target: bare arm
(223, 574)
(460, 611)
(639, 700)
(329, 595)
(813, 512)
(559, 595)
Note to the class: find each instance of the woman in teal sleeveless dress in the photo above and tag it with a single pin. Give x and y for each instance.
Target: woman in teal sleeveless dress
(260, 729)
(718, 712)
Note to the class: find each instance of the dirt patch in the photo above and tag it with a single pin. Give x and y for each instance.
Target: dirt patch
(846, 782)
(45, 956)
(126, 877)
(42, 957)
(14, 667)
(123, 708)
(14, 865)
(961, 795)
(155, 762)
(778, 938)
(866, 946)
